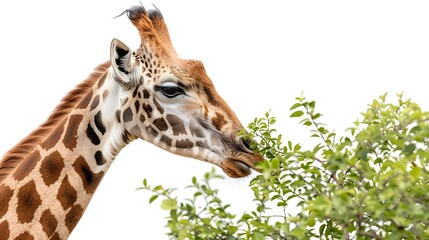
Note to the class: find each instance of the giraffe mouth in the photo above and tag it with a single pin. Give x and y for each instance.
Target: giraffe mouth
(241, 167)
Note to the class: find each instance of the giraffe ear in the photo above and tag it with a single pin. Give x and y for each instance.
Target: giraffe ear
(124, 67)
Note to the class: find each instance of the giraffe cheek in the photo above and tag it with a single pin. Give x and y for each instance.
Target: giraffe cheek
(219, 121)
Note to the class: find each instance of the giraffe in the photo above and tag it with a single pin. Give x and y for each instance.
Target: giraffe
(48, 179)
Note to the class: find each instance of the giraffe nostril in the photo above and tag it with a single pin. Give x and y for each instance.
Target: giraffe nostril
(246, 145)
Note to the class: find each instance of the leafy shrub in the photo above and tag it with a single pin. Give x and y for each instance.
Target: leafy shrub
(371, 183)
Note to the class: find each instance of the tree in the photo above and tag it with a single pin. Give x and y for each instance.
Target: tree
(371, 183)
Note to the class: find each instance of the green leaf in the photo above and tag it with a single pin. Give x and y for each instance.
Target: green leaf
(232, 229)
(316, 116)
(275, 163)
(296, 105)
(269, 154)
(311, 222)
(322, 229)
(169, 204)
(256, 192)
(415, 172)
(307, 123)
(266, 173)
(258, 236)
(153, 198)
(296, 148)
(298, 113)
(363, 154)
(409, 149)
(298, 232)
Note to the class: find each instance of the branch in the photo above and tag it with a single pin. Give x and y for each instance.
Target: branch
(371, 234)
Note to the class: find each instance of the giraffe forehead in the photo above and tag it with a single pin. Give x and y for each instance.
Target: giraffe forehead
(191, 72)
(160, 66)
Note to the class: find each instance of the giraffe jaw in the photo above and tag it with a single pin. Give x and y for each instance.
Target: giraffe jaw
(241, 167)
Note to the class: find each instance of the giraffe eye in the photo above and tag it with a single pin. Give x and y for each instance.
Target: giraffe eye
(170, 91)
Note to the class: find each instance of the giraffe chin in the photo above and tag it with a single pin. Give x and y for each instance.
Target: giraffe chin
(236, 168)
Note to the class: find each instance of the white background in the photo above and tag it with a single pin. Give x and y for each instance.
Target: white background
(260, 56)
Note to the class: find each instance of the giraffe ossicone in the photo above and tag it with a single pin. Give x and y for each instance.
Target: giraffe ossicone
(48, 179)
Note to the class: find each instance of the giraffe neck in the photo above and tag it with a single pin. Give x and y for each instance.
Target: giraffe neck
(47, 193)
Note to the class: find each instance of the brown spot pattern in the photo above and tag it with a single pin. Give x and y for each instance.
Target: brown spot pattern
(85, 101)
(137, 106)
(73, 216)
(55, 237)
(28, 202)
(210, 96)
(70, 137)
(95, 102)
(105, 94)
(166, 140)
(177, 124)
(98, 120)
(145, 93)
(148, 109)
(27, 166)
(136, 131)
(51, 168)
(54, 137)
(67, 195)
(92, 136)
(202, 144)
(49, 222)
(25, 236)
(135, 92)
(127, 115)
(6, 194)
(195, 131)
(186, 143)
(158, 106)
(4, 230)
(90, 180)
(219, 121)
(99, 158)
(151, 131)
(160, 124)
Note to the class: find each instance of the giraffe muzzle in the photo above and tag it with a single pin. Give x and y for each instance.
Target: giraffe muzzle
(240, 166)
(241, 160)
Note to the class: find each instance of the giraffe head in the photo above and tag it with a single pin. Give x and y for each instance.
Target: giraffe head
(172, 103)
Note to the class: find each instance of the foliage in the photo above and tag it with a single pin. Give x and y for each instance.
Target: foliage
(371, 183)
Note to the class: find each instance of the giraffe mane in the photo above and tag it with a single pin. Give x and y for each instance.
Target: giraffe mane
(14, 156)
